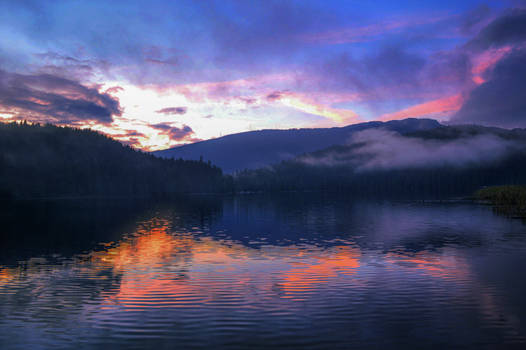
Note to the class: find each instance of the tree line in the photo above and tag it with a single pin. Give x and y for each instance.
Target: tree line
(46, 160)
(52, 161)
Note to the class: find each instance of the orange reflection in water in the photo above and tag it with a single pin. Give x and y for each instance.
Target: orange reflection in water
(151, 247)
(6, 275)
(341, 260)
(158, 268)
(430, 263)
(155, 267)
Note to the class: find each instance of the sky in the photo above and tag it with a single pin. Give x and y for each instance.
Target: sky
(157, 74)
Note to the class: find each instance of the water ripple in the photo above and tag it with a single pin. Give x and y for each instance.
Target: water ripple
(413, 280)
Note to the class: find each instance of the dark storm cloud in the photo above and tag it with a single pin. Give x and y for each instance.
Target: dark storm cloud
(213, 40)
(70, 67)
(395, 72)
(398, 69)
(46, 97)
(472, 20)
(384, 58)
(501, 100)
(172, 110)
(270, 33)
(394, 66)
(156, 41)
(175, 133)
(509, 28)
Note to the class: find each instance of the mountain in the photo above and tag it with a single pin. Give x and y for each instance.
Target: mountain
(254, 149)
(409, 157)
(444, 161)
(51, 161)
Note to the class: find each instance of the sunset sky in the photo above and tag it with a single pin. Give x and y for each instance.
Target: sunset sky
(155, 74)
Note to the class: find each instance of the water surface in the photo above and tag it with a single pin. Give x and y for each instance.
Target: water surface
(297, 271)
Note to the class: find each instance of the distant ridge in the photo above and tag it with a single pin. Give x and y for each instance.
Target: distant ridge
(255, 149)
(444, 162)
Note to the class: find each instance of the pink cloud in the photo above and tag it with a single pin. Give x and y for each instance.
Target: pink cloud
(311, 105)
(200, 91)
(368, 32)
(114, 89)
(435, 107)
(486, 60)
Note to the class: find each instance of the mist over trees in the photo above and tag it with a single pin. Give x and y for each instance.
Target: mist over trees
(49, 161)
(446, 161)
(256, 149)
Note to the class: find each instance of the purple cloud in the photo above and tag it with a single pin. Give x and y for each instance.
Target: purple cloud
(276, 95)
(507, 29)
(175, 133)
(172, 110)
(501, 100)
(50, 98)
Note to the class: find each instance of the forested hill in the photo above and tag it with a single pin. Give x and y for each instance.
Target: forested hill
(444, 161)
(255, 149)
(49, 161)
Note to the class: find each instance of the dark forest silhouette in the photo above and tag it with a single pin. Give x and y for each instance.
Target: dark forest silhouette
(50, 161)
(440, 179)
(256, 149)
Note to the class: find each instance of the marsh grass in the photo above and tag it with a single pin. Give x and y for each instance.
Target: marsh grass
(508, 200)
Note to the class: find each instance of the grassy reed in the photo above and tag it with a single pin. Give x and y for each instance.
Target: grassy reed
(508, 200)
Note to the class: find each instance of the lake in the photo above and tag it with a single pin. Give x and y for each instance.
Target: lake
(290, 271)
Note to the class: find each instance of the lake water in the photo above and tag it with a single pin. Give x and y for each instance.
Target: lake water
(297, 271)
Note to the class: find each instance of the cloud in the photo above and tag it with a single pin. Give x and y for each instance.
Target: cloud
(499, 70)
(172, 110)
(271, 33)
(486, 60)
(398, 71)
(394, 72)
(197, 40)
(129, 137)
(507, 29)
(70, 67)
(473, 19)
(114, 90)
(390, 66)
(435, 108)
(230, 88)
(49, 98)
(276, 95)
(357, 34)
(235, 60)
(308, 104)
(501, 100)
(385, 150)
(248, 100)
(176, 134)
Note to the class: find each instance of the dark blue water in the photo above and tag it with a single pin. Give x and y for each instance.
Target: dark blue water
(298, 271)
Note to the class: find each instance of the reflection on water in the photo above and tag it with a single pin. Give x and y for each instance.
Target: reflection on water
(301, 272)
